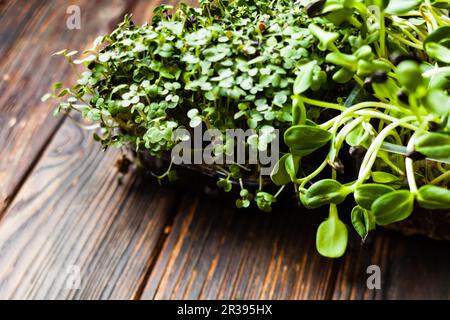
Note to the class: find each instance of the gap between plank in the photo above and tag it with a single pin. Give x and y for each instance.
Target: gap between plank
(154, 257)
(10, 199)
(335, 268)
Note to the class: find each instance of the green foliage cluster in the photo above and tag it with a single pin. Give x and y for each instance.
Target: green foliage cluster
(369, 77)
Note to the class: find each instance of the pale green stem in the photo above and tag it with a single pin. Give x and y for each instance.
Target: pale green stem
(335, 106)
(305, 180)
(383, 116)
(407, 42)
(382, 35)
(339, 140)
(279, 191)
(333, 212)
(410, 169)
(441, 178)
(371, 153)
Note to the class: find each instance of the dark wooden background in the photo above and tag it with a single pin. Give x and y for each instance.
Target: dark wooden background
(61, 205)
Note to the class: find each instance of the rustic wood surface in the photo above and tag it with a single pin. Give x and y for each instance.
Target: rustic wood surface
(62, 206)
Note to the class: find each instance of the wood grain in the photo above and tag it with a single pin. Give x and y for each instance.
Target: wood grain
(31, 32)
(217, 252)
(411, 268)
(72, 212)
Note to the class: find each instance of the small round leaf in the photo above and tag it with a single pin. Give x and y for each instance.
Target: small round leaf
(332, 238)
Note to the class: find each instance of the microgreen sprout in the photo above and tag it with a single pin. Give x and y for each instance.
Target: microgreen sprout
(334, 77)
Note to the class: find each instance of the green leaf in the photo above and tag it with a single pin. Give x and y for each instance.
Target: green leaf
(198, 38)
(216, 53)
(71, 53)
(292, 164)
(59, 53)
(332, 238)
(437, 102)
(440, 81)
(393, 207)
(441, 34)
(56, 86)
(63, 93)
(279, 175)
(325, 38)
(347, 61)
(384, 177)
(399, 7)
(409, 75)
(192, 113)
(324, 192)
(357, 136)
(362, 220)
(340, 16)
(195, 122)
(190, 58)
(365, 52)
(242, 203)
(366, 194)
(324, 6)
(162, 8)
(343, 75)
(438, 52)
(387, 89)
(264, 201)
(358, 221)
(280, 99)
(433, 145)
(433, 197)
(304, 139)
(366, 68)
(225, 184)
(304, 78)
(174, 26)
(46, 97)
(382, 4)
(298, 111)
(443, 4)
(437, 44)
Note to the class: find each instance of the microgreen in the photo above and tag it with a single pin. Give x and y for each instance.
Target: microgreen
(333, 76)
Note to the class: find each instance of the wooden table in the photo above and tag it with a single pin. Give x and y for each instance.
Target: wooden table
(62, 210)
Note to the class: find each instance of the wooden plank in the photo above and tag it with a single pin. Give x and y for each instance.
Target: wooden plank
(217, 252)
(17, 19)
(411, 268)
(72, 212)
(27, 71)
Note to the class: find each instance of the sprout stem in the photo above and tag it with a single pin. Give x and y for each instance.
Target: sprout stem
(371, 154)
